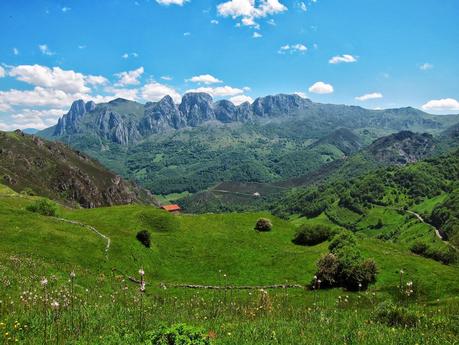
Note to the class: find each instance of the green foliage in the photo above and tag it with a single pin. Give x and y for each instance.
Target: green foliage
(393, 315)
(144, 237)
(447, 255)
(341, 240)
(179, 334)
(263, 224)
(44, 207)
(311, 235)
(344, 266)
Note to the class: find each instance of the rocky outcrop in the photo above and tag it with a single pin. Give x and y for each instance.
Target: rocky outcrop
(53, 170)
(69, 122)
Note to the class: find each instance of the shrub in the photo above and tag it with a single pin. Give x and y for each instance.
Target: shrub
(446, 255)
(419, 248)
(310, 235)
(328, 269)
(342, 239)
(393, 315)
(143, 236)
(44, 207)
(179, 334)
(263, 224)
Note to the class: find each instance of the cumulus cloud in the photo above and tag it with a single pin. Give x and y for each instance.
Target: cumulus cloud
(220, 91)
(426, 66)
(321, 88)
(248, 10)
(444, 104)
(166, 77)
(154, 91)
(131, 94)
(129, 77)
(65, 80)
(368, 96)
(345, 58)
(237, 100)
(205, 79)
(39, 96)
(171, 2)
(294, 48)
(45, 50)
(2, 72)
(96, 80)
(257, 35)
(301, 94)
(214, 21)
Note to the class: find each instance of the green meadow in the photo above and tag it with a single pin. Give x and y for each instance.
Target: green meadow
(103, 303)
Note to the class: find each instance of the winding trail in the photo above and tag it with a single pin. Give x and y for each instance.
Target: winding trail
(93, 229)
(418, 216)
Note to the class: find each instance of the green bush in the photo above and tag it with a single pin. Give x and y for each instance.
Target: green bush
(263, 224)
(342, 239)
(143, 236)
(179, 334)
(392, 315)
(310, 235)
(44, 207)
(446, 255)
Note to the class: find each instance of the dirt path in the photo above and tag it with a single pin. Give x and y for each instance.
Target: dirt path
(418, 216)
(93, 229)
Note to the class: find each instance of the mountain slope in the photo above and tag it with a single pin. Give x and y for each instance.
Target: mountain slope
(34, 165)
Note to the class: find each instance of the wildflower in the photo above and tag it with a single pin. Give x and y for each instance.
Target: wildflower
(72, 274)
(55, 304)
(44, 282)
(142, 287)
(142, 272)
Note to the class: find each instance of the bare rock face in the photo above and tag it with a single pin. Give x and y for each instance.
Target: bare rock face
(53, 170)
(403, 147)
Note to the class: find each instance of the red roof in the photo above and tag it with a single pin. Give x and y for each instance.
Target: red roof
(171, 208)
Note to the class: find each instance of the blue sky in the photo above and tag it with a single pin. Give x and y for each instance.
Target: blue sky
(377, 54)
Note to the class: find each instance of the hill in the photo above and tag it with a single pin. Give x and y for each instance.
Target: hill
(388, 201)
(102, 296)
(35, 166)
(189, 147)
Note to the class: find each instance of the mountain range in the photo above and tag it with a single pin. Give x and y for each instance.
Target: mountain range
(194, 145)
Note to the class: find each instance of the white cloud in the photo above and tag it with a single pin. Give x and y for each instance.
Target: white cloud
(154, 91)
(127, 55)
(302, 6)
(166, 77)
(96, 80)
(66, 9)
(45, 50)
(220, 91)
(131, 94)
(237, 100)
(426, 66)
(294, 48)
(2, 72)
(214, 21)
(257, 35)
(321, 88)
(271, 22)
(15, 51)
(187, 34)
(368, 96)
(65, 80)
(444, 104)
(301, 94)
(129, 77)
(171, 2)
(249, 11)
(39, 96)
(205, 79)
(345, 58)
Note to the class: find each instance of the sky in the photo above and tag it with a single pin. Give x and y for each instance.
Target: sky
(372, 53)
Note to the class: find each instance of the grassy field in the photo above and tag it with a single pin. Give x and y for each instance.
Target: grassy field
(101, 305)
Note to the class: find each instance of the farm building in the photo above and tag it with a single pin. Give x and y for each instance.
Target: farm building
(172, 208)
